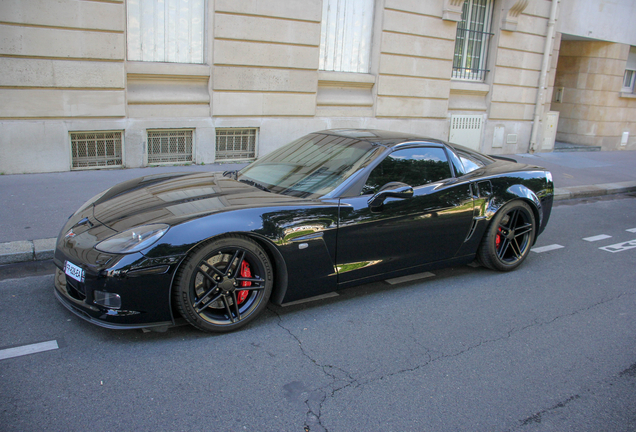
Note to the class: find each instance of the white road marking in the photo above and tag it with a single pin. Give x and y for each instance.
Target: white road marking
(597, 238)
(620, 247)
(547, 248)
(28, 349)
(409, 278)
(632, 230)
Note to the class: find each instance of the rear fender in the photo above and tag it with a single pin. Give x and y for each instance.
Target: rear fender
(514, 192)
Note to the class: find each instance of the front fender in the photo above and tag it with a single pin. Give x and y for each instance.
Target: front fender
(300, 240)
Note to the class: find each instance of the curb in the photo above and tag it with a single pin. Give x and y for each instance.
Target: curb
(573, 192)
(29, 250)
(44, 249)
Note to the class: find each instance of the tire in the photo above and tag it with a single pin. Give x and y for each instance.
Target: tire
(224, 284)
(509, 238)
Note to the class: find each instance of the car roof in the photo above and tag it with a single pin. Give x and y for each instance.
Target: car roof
(378, 137)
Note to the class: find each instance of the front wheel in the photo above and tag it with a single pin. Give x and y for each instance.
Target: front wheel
(509, 238)
(224, 284)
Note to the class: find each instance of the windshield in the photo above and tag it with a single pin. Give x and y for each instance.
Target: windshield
(313, 165)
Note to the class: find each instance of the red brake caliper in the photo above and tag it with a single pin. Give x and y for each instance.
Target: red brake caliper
(246, 272)
(498, 239)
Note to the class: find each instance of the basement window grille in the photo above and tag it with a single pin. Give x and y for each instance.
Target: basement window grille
(170, 146)
(96, 149)
(471, 42)
(235, 144)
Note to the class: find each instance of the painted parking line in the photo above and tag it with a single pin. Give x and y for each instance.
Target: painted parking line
(631, 230)
(28, 349)
(547, 248)
(620, 247)
(597, 238)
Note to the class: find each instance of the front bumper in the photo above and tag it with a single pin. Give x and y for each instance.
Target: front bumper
(145, 303)
(142, 284)
(103, 317)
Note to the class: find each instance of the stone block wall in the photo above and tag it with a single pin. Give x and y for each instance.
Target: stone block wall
(593, 110)
(64, 69)
(60, 60)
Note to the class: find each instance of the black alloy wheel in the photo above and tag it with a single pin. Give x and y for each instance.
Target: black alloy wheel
(509, 237)
(224, 284)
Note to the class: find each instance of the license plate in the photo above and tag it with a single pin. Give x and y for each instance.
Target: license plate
(74, 271)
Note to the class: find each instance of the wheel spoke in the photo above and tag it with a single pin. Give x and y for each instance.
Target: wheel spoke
(246, 279)
(515, 250)
(513, 219)
(237, 269)
(206, 274)
(523, 229)
(503, 248)
(196, 305)
(227, 308)
(251, 288)
(236, 306)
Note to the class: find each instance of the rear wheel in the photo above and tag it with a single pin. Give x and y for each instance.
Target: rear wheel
(224, 284)
(509, 237)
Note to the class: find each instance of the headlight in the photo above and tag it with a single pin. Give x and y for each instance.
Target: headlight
(90, 202)
(133, 240)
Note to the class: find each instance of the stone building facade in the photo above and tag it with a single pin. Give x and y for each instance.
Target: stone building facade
(595, 74)
(110, 83)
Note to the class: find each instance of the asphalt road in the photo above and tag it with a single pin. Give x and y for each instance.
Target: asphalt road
(549, 347)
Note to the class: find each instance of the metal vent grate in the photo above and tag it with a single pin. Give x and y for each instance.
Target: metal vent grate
(235, 144)
(96, 149)
(170, 146)
(466, 130)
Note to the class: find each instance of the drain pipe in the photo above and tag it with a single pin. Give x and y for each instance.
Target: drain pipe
(538, 108)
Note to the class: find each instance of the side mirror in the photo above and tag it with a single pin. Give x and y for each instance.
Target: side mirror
(390, 190)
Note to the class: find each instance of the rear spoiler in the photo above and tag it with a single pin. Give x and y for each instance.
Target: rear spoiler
(507, 159)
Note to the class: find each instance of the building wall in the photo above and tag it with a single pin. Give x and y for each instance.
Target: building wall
(64, 69)
(593, 110)
(606, 20)
(514, 80)
(60, 61)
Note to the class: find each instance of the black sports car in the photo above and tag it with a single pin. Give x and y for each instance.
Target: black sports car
(330, 210)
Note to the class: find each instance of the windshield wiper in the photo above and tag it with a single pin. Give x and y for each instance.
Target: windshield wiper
(233, 173)
(256, 185)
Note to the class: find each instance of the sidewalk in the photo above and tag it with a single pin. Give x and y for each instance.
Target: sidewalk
(36, 206)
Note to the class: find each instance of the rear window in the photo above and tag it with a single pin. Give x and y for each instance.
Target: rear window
(472, 161)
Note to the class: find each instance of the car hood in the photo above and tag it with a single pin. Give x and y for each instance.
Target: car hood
(174, 198)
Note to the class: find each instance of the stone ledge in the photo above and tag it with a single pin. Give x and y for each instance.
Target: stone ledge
(17, 251)
(167, 69)
(44, 249)
(27, 250)
(593, 190)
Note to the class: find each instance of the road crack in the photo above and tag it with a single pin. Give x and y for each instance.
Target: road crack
(340, 379)
(536, 418)
(483, 342)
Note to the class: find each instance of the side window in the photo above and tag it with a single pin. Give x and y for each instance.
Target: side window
(470, 163)
(414, 166)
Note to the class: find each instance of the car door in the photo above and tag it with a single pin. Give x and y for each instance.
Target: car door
(431, 225)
